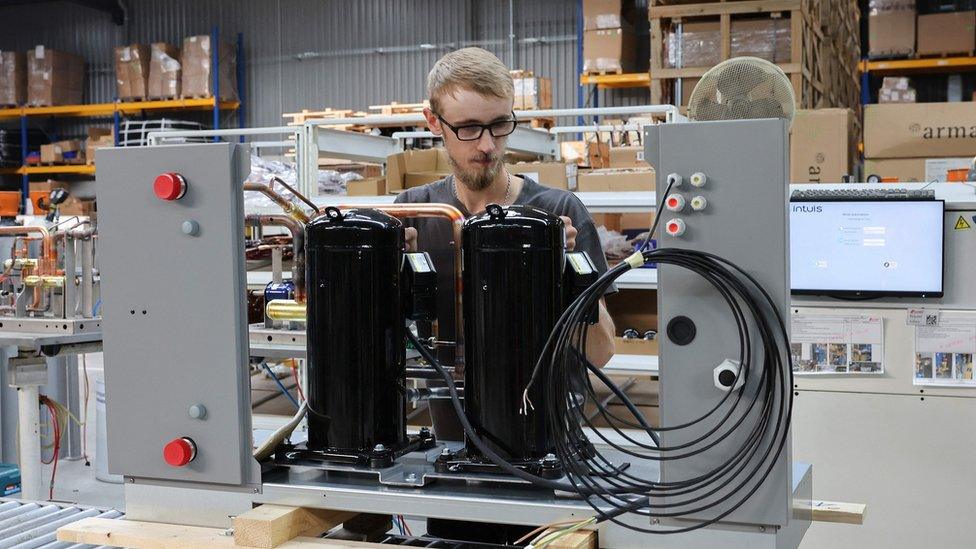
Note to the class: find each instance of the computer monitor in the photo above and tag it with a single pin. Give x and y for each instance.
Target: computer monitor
(867, 248)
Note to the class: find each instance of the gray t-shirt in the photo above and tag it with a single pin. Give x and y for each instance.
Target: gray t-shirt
(434, 235)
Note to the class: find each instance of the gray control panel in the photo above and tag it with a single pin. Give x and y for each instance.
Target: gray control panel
(172, 261)
(732, 202)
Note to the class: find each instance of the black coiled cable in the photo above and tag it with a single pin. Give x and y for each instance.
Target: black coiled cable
(763, 418)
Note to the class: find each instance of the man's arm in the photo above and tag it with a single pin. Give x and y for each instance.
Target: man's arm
(599, 339)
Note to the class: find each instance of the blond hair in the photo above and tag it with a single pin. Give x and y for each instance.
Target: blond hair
(473, 69)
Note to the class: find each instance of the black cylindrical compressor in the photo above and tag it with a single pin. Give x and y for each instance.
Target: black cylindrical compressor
(513, 294)
(355, 324)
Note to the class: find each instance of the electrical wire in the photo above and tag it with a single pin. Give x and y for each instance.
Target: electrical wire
(84, 412)
(281, 386)
(751, 424)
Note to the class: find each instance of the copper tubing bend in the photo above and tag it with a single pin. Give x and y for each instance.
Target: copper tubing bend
(48, 257)
(297, 230)
(292, 210)
(403, 211)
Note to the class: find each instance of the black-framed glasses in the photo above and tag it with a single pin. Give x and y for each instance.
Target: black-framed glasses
(473, 132)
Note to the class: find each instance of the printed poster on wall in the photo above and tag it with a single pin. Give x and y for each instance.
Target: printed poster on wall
(837, 344)
(944, 352)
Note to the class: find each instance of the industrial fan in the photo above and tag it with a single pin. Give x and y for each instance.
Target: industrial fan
(743, 88)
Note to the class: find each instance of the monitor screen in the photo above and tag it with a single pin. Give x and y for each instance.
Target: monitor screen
(867, 248)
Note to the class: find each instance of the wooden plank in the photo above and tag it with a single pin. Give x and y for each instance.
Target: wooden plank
(268, 526)
(719, 8)
(581, 539)
(151, 535)
(725, 32)
(840, 512)
(695, 72)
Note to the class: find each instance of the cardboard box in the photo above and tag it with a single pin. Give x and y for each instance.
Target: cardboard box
(424, 165)
(13, 78)
(919, 130)
(54, 77)
(57, 152)
(896, 89)
(947, 33)
(609, 50)
(628, 157)
(614, 180)
(573, 151)
(821, 145)
(131, 71)
(896, 169)
(371, 186)
(165, 71)
(634, 309)
(598, 154)
(602, 14)
(196, 63)
(532, 93)
(97, 138)
(891, 28)
(560, 175)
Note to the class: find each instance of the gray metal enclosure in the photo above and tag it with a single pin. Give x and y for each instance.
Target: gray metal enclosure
(164, 351)
(745, 221)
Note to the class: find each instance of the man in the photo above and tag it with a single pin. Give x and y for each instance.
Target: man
(471, 98)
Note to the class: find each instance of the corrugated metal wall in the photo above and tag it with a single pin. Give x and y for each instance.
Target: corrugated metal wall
(321, 53)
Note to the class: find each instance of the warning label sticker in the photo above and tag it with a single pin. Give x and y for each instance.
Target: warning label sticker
(962, 224)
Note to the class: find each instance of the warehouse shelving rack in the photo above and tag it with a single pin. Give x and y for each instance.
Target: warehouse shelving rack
(118, 109)
(912, 66)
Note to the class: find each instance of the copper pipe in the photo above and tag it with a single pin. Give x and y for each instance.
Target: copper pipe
(47, 245)
(291, 209)
(297, 230)
(295, 193)
(48, 256)
(403, 211)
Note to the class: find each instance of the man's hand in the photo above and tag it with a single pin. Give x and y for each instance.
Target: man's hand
(570, 233)
(410, 238)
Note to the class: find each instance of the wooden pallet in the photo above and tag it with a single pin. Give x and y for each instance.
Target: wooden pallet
(399, 108)
(545, 123)
(602, 72)
(299, 118)
(824, 46)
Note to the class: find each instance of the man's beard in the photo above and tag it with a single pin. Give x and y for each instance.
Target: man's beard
(477, 179)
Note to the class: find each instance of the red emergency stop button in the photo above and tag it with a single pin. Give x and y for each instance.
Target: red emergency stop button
(169, 186)
(179, 452)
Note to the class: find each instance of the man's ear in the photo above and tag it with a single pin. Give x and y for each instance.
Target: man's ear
(433, 124)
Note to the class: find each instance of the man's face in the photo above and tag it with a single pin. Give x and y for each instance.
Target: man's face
(476, 163)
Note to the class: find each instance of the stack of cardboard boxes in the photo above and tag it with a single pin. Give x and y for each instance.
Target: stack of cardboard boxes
(531, 92)
(132, 72)
(918, 142)
(699, 44)
(40, 193)
(197, 66)
(54, 77)
(165, 71)
(609, 42)
(895, 29)
(13, 78)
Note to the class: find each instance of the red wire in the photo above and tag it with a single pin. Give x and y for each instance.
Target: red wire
(57, 443)
(298, 383)
(406, 528)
